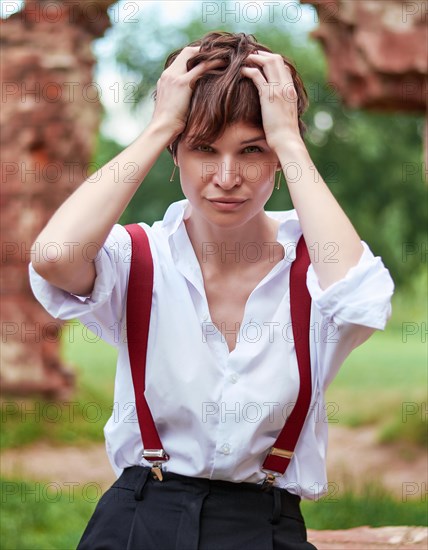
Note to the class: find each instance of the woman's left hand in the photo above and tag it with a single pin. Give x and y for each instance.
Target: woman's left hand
(278, 98)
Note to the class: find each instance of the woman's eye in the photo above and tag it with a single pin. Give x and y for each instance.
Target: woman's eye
(250, 149)
(253, 147)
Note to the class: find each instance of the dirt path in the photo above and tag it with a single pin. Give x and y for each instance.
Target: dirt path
(368, 538)
(354, 456)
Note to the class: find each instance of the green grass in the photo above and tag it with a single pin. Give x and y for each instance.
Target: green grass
(76, 420)
(35, 515)
(383, 382)
(372, 506)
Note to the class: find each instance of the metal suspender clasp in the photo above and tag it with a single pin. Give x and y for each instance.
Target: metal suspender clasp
(157, 457)
(268, 481)
(153, 454)
(270, 476)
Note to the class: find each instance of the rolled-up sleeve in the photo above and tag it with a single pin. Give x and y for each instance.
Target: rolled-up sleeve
(349, 311)
(362, 297)
(102, 311)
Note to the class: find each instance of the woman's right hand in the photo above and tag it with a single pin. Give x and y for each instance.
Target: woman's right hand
(174, 90)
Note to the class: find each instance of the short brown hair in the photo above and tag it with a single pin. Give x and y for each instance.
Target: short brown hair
(232, 97)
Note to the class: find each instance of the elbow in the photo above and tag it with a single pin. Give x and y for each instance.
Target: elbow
(45, 261)
(333, 271)
(49, 272)
(49, 261)
(76, 279)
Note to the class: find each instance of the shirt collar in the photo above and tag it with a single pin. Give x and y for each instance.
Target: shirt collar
(289, 232)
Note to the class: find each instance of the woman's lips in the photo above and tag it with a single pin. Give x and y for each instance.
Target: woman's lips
(226, 206)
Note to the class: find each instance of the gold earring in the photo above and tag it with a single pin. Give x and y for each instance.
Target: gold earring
(173, 172)
(278, 185)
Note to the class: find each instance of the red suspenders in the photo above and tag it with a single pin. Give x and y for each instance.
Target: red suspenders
(280, 454)
(139, 300)
(138, 309)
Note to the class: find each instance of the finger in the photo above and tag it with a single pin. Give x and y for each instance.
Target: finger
(256, 76)
(202, 67)
(288, 91)
(270, 69)
(180, 62)
(273, 66)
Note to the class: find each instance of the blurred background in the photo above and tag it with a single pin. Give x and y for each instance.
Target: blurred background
(76, 85)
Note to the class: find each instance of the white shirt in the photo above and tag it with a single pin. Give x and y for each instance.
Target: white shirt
(218, 413)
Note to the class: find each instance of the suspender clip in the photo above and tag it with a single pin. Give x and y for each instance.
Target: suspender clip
(268, 481)
(157, 471)
(157, 457)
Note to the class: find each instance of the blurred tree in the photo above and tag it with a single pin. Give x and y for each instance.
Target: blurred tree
(371, 162)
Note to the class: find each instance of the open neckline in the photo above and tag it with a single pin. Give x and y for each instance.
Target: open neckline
(262, 282)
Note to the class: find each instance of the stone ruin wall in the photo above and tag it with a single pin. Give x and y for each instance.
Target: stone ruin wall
(376, 53)
(49, 121)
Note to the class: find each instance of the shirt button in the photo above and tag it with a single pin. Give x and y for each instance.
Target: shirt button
(225, 449)
(233, 378)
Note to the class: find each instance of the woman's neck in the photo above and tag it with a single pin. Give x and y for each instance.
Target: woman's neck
(226, 249)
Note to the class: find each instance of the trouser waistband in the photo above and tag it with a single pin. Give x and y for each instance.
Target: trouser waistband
(135, 478)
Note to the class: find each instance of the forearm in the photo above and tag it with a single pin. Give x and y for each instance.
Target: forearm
(333, 243)
(88, 215)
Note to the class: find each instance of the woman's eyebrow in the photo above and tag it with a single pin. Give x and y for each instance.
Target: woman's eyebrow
(258, 138)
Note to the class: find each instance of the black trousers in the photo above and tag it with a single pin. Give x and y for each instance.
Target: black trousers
(139, 512)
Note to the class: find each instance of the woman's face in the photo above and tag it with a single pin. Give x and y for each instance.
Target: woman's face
(229, 181)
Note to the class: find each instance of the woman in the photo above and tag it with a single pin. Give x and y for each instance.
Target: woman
(225, 353)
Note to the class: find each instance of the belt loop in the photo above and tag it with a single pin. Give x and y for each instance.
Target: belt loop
(141, 483)
(276, 505)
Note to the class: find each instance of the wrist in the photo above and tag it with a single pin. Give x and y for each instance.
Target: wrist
(290, 149)
(161, 131)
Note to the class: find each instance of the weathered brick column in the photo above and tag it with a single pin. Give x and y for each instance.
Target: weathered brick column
(376, 52)
(49, 120)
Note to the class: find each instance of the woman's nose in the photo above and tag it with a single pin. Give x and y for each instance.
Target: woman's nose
(228, 174)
